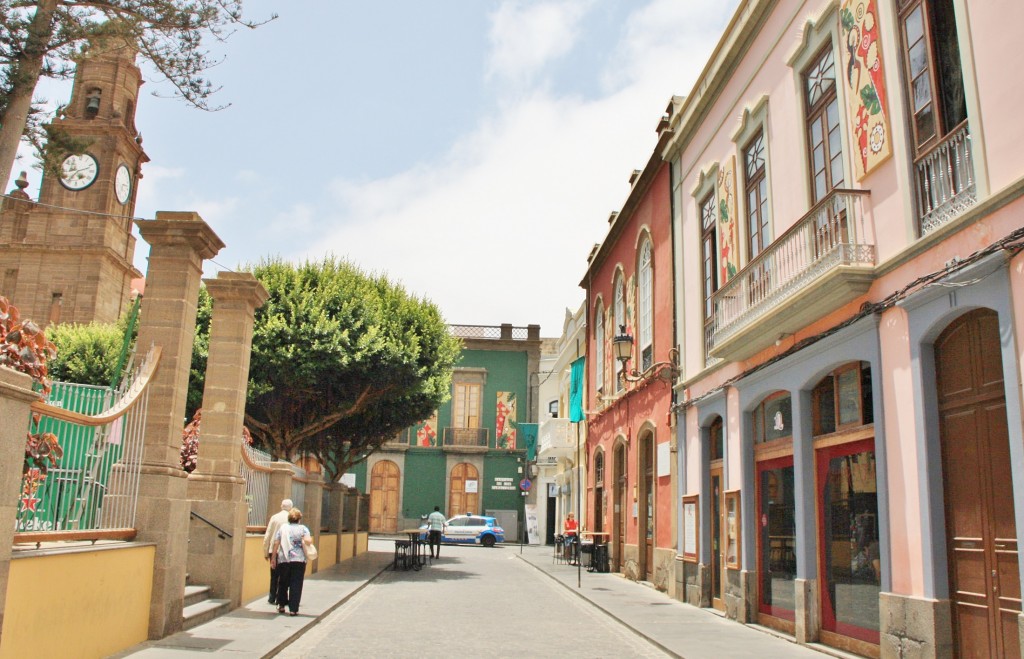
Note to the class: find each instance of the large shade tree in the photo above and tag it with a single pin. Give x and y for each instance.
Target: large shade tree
(40, 39)
(341, 361)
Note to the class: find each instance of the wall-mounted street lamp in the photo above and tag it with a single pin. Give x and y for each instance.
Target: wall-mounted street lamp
(622, 346)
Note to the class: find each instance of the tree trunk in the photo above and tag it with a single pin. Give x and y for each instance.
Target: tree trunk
(25, 72)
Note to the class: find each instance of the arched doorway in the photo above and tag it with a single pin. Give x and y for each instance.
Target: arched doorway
(981, 533)
(384, 480)
(645, 523)
(621, 506)
(464, 490)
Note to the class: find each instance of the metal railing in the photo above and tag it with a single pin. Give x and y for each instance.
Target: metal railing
(835, 232)
(944, 180)
(465, 437)
(507, 332)
(257, 483)
(92, 491)
(299, 480)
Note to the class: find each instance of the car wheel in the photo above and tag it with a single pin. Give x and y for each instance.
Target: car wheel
(487, 541)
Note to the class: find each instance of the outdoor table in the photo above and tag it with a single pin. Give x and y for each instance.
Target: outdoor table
(414, 548)
(598, 546)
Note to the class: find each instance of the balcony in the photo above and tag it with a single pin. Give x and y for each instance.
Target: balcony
(465, 438)
(556, 438)
(822, 262)
(944, 180)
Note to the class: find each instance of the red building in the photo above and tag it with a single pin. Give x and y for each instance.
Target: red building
(629, 434)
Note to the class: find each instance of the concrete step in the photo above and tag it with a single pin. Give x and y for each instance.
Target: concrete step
(196, 594)
(200, 612)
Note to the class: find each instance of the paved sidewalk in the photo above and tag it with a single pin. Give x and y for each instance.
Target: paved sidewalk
(679, 629)
(257, 630)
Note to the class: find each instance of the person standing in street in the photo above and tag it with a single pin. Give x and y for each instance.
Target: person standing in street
(289, 557)
(435, 525)
(571, 531)
(273, 526)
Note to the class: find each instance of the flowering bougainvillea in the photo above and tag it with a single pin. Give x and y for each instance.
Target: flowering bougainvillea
(190, 441)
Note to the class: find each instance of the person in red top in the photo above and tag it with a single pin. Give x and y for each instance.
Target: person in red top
(570, 530)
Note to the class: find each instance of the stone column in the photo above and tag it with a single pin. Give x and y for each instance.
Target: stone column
(336, 493)
(15, 397)
(179, 242)
(216, 488)
(312, 507)
(280, 487)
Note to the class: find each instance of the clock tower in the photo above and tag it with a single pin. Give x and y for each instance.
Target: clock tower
(69, 257)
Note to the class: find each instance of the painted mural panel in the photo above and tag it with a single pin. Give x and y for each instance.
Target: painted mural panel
(426, 431)
(728, 226)
(864, 80)
(505, 421)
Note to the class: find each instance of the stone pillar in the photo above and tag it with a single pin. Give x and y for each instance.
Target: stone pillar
(336, 509)
(280, 487)
(179, 242)
(216, 488)
(15, 397)
(808, 623)
(312, 507)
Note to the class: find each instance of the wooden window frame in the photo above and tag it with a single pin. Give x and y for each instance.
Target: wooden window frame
(709, 255)
(619, 321)
(759, 412)
(714, 455)
(816, 397)
(645, 304)
(599, 347)
(756, 241)
(733, 501)
(816, 112)
(694, 556)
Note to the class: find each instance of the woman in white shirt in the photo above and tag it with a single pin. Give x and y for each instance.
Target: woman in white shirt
(289, 557)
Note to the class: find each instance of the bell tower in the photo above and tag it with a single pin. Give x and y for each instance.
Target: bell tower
(69, 257)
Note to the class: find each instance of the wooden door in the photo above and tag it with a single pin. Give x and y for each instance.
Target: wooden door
(621, 506)
(384, 479)
(464, 490)
(647, 507)
(981, 533)
(717, 540)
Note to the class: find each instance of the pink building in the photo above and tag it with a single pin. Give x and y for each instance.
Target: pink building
(847, 212)
(629, 427)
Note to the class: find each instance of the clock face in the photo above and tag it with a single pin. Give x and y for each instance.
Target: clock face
(77, 172)
(122, 184)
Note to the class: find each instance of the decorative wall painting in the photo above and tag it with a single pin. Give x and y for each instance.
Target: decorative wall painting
(863, 77)
(426, 432)
(505, 421)
(728, 227)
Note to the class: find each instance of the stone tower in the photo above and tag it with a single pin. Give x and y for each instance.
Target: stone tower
(69, 257)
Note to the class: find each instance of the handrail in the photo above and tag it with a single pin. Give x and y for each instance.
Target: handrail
(220, 532)
(252, 465)
(58, 536)
(796, 227)
(119, 409)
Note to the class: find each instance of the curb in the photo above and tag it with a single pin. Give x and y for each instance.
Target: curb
(316, 621)
(600, 608)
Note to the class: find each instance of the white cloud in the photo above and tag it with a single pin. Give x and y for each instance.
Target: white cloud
(524, 37)
(499, 230)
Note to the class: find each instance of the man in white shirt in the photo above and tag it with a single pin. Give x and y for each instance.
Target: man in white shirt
(273, 525)
(435, 525)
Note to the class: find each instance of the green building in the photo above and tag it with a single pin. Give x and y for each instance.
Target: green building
(470, 456)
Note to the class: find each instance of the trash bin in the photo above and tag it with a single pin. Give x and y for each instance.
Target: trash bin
(600, 558)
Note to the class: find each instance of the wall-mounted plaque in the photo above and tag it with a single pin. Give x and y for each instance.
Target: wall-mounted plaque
(691, 528)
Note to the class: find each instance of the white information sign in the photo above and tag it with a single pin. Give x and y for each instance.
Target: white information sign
(664, 460)
(471, 487)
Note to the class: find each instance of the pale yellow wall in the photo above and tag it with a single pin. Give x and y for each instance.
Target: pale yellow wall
(255, 570)
(362, 543)
(327, 549)
(79, 604)
(347, 544)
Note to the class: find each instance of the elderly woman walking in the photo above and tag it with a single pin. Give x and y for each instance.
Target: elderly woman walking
(289, 558)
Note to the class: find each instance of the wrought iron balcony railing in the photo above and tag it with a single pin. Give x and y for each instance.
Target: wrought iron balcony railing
(944, 180)
(465, 437)
(836, 232)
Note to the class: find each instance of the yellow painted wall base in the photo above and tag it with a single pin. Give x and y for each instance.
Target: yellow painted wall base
(328, 548)
(85, 602)
(348, 543)
(255, 570)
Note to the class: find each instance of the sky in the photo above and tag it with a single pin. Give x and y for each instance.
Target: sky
(471, 150)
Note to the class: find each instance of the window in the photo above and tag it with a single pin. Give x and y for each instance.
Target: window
(599, 469)
(823, 137)
(843, 399)
(931, 59)
(756, 186)
(620, 322)
(56, 302)
(599, 348)
(553, 409)
(646, 307)
(773, 418)
(466, 408)
(709, 251)
(716, 436)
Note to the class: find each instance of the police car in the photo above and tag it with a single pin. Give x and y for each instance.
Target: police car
(470, 529)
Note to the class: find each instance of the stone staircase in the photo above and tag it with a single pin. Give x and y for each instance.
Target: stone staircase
(199, 608)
